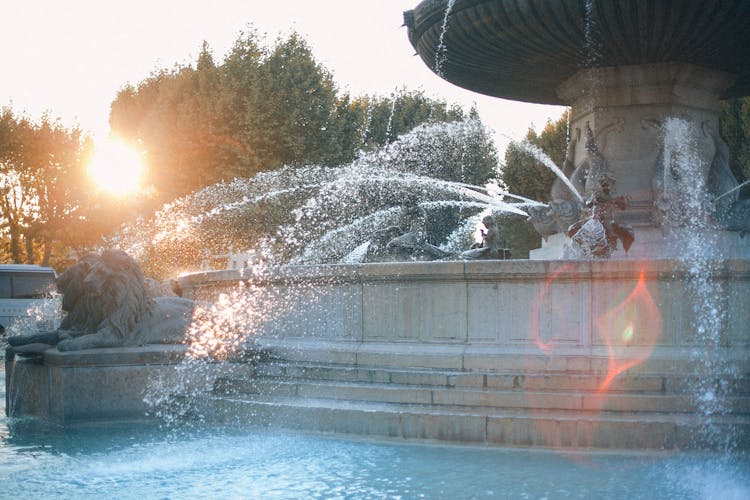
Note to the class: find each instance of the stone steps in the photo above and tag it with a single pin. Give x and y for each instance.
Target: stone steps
(523, 359)
(400, 392)
(476, 425)
(585, 400)
(504, 379)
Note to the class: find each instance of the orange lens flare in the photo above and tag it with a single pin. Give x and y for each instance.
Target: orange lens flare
(572, 311)
(629, 331)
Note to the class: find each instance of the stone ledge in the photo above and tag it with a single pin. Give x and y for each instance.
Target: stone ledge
(521, 358)
(486, 270)
(88, 385)
(163, 354)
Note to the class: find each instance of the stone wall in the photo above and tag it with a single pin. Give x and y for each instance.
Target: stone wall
(624, 308)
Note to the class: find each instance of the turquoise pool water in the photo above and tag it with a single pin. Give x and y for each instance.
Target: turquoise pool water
(138, 460)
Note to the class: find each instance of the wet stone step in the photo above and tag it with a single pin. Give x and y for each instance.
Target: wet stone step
(651, 383)
(563, 429)
(495, 398)
(510, 380)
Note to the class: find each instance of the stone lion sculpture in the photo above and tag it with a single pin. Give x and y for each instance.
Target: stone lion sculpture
(108, 304)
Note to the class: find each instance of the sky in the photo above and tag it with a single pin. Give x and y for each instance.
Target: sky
(70, 58)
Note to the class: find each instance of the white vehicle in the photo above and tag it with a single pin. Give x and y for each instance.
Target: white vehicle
(26, 296)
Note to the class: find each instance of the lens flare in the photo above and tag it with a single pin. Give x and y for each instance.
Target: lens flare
(627, 334)
(623, 321)
(637, 322)
(116, 168)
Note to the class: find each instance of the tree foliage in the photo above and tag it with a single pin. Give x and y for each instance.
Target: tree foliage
(526, 176)
(734, 126)
(258, 110)
(42, 185)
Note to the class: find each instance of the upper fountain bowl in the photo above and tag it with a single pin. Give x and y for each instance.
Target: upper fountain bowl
(525, 49)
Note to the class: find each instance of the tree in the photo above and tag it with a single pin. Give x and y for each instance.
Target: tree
(181, 118)
(258, 110)
(42, 178)
(390, 117)
(734, 126)
(526, 176)
(293, 105)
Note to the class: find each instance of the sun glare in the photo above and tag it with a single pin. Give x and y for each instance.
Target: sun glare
(116, 168)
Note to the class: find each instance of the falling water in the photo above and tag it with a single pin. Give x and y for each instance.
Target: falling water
(357, 255)
(441, 51)
(592, 44)
(366, 124)
(44, 316)
(389, 128)
(702, 256)
(221, 342)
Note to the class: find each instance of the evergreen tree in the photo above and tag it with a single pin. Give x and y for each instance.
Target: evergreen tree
(295, 99)
(258, 110)
(526, 176)
(734, 126)
(390, 117)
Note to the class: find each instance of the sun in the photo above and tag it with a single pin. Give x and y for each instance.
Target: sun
(116, 168)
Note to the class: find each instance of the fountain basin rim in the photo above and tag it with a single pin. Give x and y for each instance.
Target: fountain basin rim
(487, 270)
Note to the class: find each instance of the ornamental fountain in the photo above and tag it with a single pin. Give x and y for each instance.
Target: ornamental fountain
(646, 350)
(634, 73)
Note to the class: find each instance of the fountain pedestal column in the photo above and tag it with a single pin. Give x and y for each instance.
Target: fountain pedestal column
(630, 111)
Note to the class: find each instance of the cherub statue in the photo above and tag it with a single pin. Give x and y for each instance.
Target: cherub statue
(597, 234)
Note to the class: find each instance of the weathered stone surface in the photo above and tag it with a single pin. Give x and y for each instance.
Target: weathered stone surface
(514, 379)
(87, 385)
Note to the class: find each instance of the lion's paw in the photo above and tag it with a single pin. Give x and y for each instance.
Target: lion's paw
(67, 345)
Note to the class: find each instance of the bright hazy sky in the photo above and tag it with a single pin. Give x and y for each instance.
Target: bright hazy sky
(71, 57)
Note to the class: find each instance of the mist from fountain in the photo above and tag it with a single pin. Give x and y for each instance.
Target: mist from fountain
(315, 214)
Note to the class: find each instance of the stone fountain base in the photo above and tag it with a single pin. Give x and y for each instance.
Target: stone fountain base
(652, 243)
(581, 354)
(572, 354)
(506, 398)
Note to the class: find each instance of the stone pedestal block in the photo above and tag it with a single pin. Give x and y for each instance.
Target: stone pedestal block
(96, 384)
